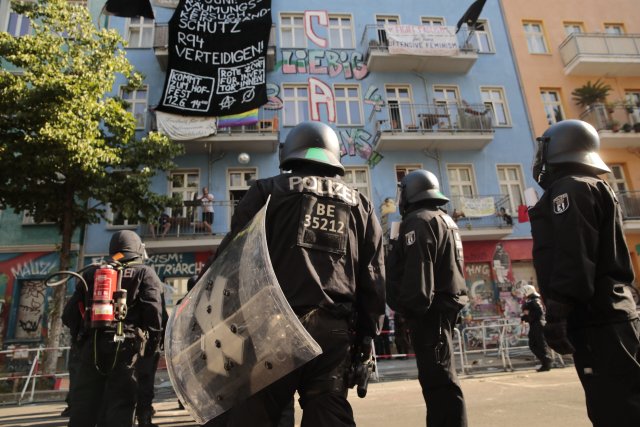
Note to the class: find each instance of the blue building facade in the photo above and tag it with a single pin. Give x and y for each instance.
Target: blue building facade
(402, 90)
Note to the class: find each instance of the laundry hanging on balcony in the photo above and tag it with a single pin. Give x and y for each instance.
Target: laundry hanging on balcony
(478, 206)
(217, 58)
(185, 128)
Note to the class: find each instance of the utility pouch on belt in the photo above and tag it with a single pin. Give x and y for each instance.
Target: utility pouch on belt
(142, 337)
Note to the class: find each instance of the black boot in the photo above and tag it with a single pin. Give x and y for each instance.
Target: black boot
(144, 420)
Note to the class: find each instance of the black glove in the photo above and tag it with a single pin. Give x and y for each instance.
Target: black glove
(555, 331)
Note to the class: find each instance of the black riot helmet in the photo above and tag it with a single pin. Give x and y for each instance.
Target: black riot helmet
(568, 141)
(311, 142)
(127, 243)
(417, 186)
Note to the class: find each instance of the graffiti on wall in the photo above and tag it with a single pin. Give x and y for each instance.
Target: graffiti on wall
(31, 306)
(175, 264)
(482, 299)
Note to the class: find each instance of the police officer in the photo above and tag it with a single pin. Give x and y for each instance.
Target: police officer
(584, 271)
(146, 368)
(105, 387)
(533, 314)
(426, 284)
(325, 245)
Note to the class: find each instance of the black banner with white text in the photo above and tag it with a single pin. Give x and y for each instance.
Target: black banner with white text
(217, 57)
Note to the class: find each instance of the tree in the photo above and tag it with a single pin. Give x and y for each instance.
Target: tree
(591, 93)
(67, 149)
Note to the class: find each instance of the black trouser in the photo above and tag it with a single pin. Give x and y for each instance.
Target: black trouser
(607, 359)
(320, 383)
(146, 373)
(538, 344)
(105, 397)
(431, 337)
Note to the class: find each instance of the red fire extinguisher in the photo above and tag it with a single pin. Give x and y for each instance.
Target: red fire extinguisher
(105, 283)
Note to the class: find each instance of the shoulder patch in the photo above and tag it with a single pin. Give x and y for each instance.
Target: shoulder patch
(410, 238)
(561, 203)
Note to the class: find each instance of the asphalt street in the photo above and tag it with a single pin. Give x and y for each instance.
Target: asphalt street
(524, 398)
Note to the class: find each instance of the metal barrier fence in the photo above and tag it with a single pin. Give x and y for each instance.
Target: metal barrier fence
(30, 377)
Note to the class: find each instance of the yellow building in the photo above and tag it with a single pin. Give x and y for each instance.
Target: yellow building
(592, 46)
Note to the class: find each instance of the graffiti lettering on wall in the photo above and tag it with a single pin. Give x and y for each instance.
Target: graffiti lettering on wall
(373, 98)
(360, 142)
(171, 264)
(31, 304)
(349, 64)
(482, 298)
(36, 267)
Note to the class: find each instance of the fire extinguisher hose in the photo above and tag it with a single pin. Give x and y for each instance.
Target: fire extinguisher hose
(95, 354)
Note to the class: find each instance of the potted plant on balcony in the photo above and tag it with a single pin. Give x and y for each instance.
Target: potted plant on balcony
(614, 125)
(591, 93)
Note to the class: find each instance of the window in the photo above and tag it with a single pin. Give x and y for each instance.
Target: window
(400, 104)
(573, 28)
(136, 104)
(238, 182)
(27, 219)
(447, 98)
(296, 104)
(432, 21)
(494, 100)
(381, 21)
(403, 170)
(617, 179)
(511, 184)
(535, 37)
(18, 25)
(292, 30)
(481, 37)
(184, 184)
(341, 32)
(140, 32)
(614, 28)
(552, 105)
(118, 219)
(632, 104)
(347, 98)
(461, 184)
(357, 178)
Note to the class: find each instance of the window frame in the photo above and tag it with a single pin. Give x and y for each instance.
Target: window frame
(509, 183)
(22, 20)
(454, 198)
(142, 26)
(542, 36)
(560, 104)
(296, 99)
(488, 35)
(619, 25)
(186, 190)
(503, 100)
(356, 185)
(341, 28)
(291, 16)
(405, 168)
(133, 101)
(109, 214)
(569, 24)
(381, 21)
(431, 20)
(347, 102)
(615, 182)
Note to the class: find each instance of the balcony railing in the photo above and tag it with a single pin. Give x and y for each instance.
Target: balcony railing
(613, 117)
(434, 118)
(599, 54)
(186, 223)
(268, 123)
(630, 204)
(477, 212)
(375, 38)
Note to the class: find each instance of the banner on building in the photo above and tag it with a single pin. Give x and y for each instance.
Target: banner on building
(185, 128)
(432, 40)
(217, 57)
(477, 206)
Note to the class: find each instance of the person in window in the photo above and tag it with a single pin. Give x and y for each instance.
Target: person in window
(162, 225)
(508, 219)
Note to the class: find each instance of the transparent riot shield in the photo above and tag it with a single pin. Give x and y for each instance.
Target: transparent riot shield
(235, 332)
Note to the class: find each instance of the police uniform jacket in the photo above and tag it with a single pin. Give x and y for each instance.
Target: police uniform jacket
(325, 244)
(426, 264)
(579, 250)
(534, 308)
(144, 305)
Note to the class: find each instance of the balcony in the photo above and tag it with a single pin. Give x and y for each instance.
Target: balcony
(186, 231)
(427, 59)
(618, 125)
(598, 54)
(261, 137)
(161, 46)
(630, 204)
(479, 218)
(416, 127)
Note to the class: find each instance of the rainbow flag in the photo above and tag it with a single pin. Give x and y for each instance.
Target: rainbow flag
(247, 118)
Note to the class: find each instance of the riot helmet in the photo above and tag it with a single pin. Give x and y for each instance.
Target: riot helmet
(568, 141)
(311, 142)
(417, 186)
(127, 243)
